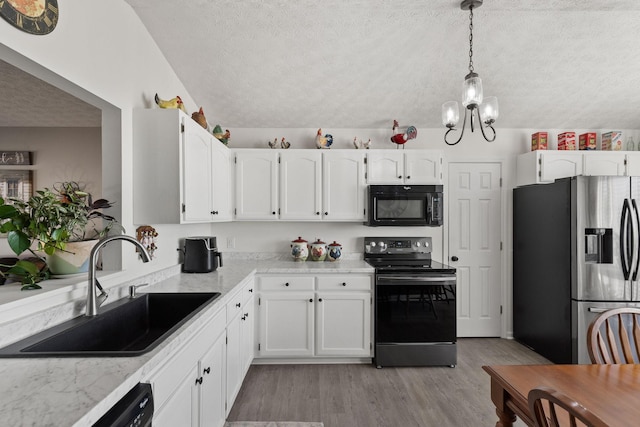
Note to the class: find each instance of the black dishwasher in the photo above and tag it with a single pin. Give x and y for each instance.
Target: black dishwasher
(135, 409)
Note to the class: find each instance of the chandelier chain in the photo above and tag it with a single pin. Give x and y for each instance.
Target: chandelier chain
(471, 39)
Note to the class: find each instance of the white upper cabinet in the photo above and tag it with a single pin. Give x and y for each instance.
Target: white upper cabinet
(256, 184)
(221, 177)
(301, 185)
(344, 190)
(404, 167)
(173, 176)
(543, 166)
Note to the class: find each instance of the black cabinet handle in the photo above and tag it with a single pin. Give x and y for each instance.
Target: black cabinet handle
(238, 304)
(317, 213)
(454, 258)
(286, 284)
(320, 299)
(273, 213)
(326, 213)
(310, 299)
(243, 318)
(199, 380)
(399, 176)
(408, 177)
(207, 370)
(250, 290)
(344, 283)
(246, 315)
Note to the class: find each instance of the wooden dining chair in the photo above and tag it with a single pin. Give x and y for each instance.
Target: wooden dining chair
(551, 408)
(614, 337)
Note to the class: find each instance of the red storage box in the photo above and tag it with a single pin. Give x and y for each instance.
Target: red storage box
(539, 141)
(567, 141)
(588, 141)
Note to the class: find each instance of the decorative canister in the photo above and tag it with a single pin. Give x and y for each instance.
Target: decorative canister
(299, 249)
(335, 250)
(318, 250)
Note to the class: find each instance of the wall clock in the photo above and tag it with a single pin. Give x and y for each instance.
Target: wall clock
(31, 16)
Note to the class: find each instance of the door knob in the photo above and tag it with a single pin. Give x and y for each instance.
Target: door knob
(454, 258)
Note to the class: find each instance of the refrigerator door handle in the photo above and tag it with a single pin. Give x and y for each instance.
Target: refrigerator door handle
(635, 232)
(624, 239)
(597, 309)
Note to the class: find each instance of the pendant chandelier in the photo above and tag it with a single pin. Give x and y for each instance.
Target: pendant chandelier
(472, 100)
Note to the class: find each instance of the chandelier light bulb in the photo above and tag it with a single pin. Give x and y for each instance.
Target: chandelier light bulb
(450, 114)
(489, 109)
(472, 90)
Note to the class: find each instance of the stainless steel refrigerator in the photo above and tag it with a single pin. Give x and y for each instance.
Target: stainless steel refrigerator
(576, 253)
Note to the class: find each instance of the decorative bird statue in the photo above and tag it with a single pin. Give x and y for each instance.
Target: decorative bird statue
(222, 137)
(274, 143)
(199, 117)
(172, 103)
(367, 144)
(284, 143)
(355, 142)
(323, 141)
(402, 138)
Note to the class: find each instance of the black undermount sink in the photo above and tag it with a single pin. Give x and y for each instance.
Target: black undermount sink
(129, 327)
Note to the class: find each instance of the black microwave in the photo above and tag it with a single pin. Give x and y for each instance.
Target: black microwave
(405, 205)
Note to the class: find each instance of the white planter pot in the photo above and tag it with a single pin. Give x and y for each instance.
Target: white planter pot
(73, 260)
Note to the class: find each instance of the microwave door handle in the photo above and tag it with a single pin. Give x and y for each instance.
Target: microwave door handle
(624, 258)
(634, 239)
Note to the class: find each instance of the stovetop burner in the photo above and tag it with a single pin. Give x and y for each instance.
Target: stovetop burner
(402, 254)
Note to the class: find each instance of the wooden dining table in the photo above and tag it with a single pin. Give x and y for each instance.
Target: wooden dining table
(612, 392)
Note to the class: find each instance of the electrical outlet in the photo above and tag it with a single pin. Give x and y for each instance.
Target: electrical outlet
(231, 242)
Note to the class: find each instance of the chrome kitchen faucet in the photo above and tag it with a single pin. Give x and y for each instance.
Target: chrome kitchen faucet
(92, 303)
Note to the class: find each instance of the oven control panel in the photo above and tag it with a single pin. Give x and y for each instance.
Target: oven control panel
(397, 245)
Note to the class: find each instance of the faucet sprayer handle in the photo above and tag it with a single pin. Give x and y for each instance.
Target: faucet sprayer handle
(134, 288)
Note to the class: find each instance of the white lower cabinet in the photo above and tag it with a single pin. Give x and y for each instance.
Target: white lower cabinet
(240, 326)
(188, 389)
(198, 385)
(314, 316)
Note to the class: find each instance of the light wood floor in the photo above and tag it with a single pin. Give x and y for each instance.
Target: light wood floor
(363, 396)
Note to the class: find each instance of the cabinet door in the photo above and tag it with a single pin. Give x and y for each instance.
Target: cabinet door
(343, 186)
(385, 167)
(256, 185)
(286, 324)
(422, 167)
(212, 389)
(602, 163)
(234, 363)
(196, 173)
(247, 336)
(343, 324)
(300, 185)
(221, 182)
(181, 408)
(555, 165)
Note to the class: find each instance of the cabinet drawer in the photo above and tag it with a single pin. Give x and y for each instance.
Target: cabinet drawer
(347, 283)
(234, 306)
(281, 283)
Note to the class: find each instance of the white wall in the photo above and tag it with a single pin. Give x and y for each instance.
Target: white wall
(112, 63)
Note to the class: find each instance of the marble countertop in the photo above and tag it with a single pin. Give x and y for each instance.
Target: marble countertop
(77, 391)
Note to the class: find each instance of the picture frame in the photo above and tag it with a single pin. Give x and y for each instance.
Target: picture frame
(15, 158)
(16, 184)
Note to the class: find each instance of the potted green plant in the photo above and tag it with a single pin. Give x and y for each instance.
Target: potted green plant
(63, 223)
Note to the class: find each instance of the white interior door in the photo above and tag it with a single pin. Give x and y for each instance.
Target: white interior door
(475, 218)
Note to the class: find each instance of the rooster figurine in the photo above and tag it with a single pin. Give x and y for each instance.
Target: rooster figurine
(402, 138)
(323, 141)
(172, 103)
(274, 143)
(222, 137)
(284, 143)
(199, 118)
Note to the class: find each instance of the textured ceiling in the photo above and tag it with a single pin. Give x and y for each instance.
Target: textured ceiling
(30, 102)
(362, 63)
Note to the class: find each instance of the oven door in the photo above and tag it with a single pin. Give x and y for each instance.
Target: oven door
(415, 308)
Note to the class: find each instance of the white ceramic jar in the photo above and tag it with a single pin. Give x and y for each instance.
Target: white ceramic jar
(299, 249)
(334, 252)
(318, 250)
